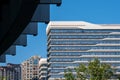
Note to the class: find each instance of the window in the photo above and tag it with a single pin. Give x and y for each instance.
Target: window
(35, 61)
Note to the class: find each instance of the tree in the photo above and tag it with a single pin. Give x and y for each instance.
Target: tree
(2, 78)
(69, 75)
(94, 71)
(79, 70)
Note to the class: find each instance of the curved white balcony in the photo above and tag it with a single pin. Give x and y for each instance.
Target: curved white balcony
(108, 44)
(86, 56)
(103, 50)
(92, 50)
(100, 61)
(111, 39)
(103, 33)
(115, 33)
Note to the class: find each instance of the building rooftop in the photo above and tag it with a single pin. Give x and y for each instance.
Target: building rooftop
(43, 61)
(80, 24)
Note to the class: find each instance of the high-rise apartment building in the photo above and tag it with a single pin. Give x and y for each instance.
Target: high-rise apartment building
(30, 69)
(10, 72)
(43, 69)
(73, 42)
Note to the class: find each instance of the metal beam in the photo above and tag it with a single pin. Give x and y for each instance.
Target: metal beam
(42, 13)
(31, 29)
(2, 58)
(11, 50)
(21, 41)
(58, 2)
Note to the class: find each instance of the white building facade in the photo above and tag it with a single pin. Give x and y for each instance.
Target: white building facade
(73, 42)
(43, 69)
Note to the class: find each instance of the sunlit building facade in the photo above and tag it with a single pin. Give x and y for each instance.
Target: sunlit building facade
(73, 42)
(30, 69)
(43, 69)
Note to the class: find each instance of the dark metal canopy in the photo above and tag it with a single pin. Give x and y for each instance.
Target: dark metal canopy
(15, 15)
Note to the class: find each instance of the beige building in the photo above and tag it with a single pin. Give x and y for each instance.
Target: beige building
(30, 69)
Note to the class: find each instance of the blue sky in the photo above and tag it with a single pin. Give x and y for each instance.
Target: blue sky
(94, 11)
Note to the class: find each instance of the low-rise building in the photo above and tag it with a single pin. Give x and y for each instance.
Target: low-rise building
(10, 72)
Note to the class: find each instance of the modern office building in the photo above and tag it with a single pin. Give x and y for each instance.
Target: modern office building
(10, 72)
(30, 69)
(43, 69)
(73, 42)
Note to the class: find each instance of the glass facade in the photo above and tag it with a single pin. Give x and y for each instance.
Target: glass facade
(68, 47)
